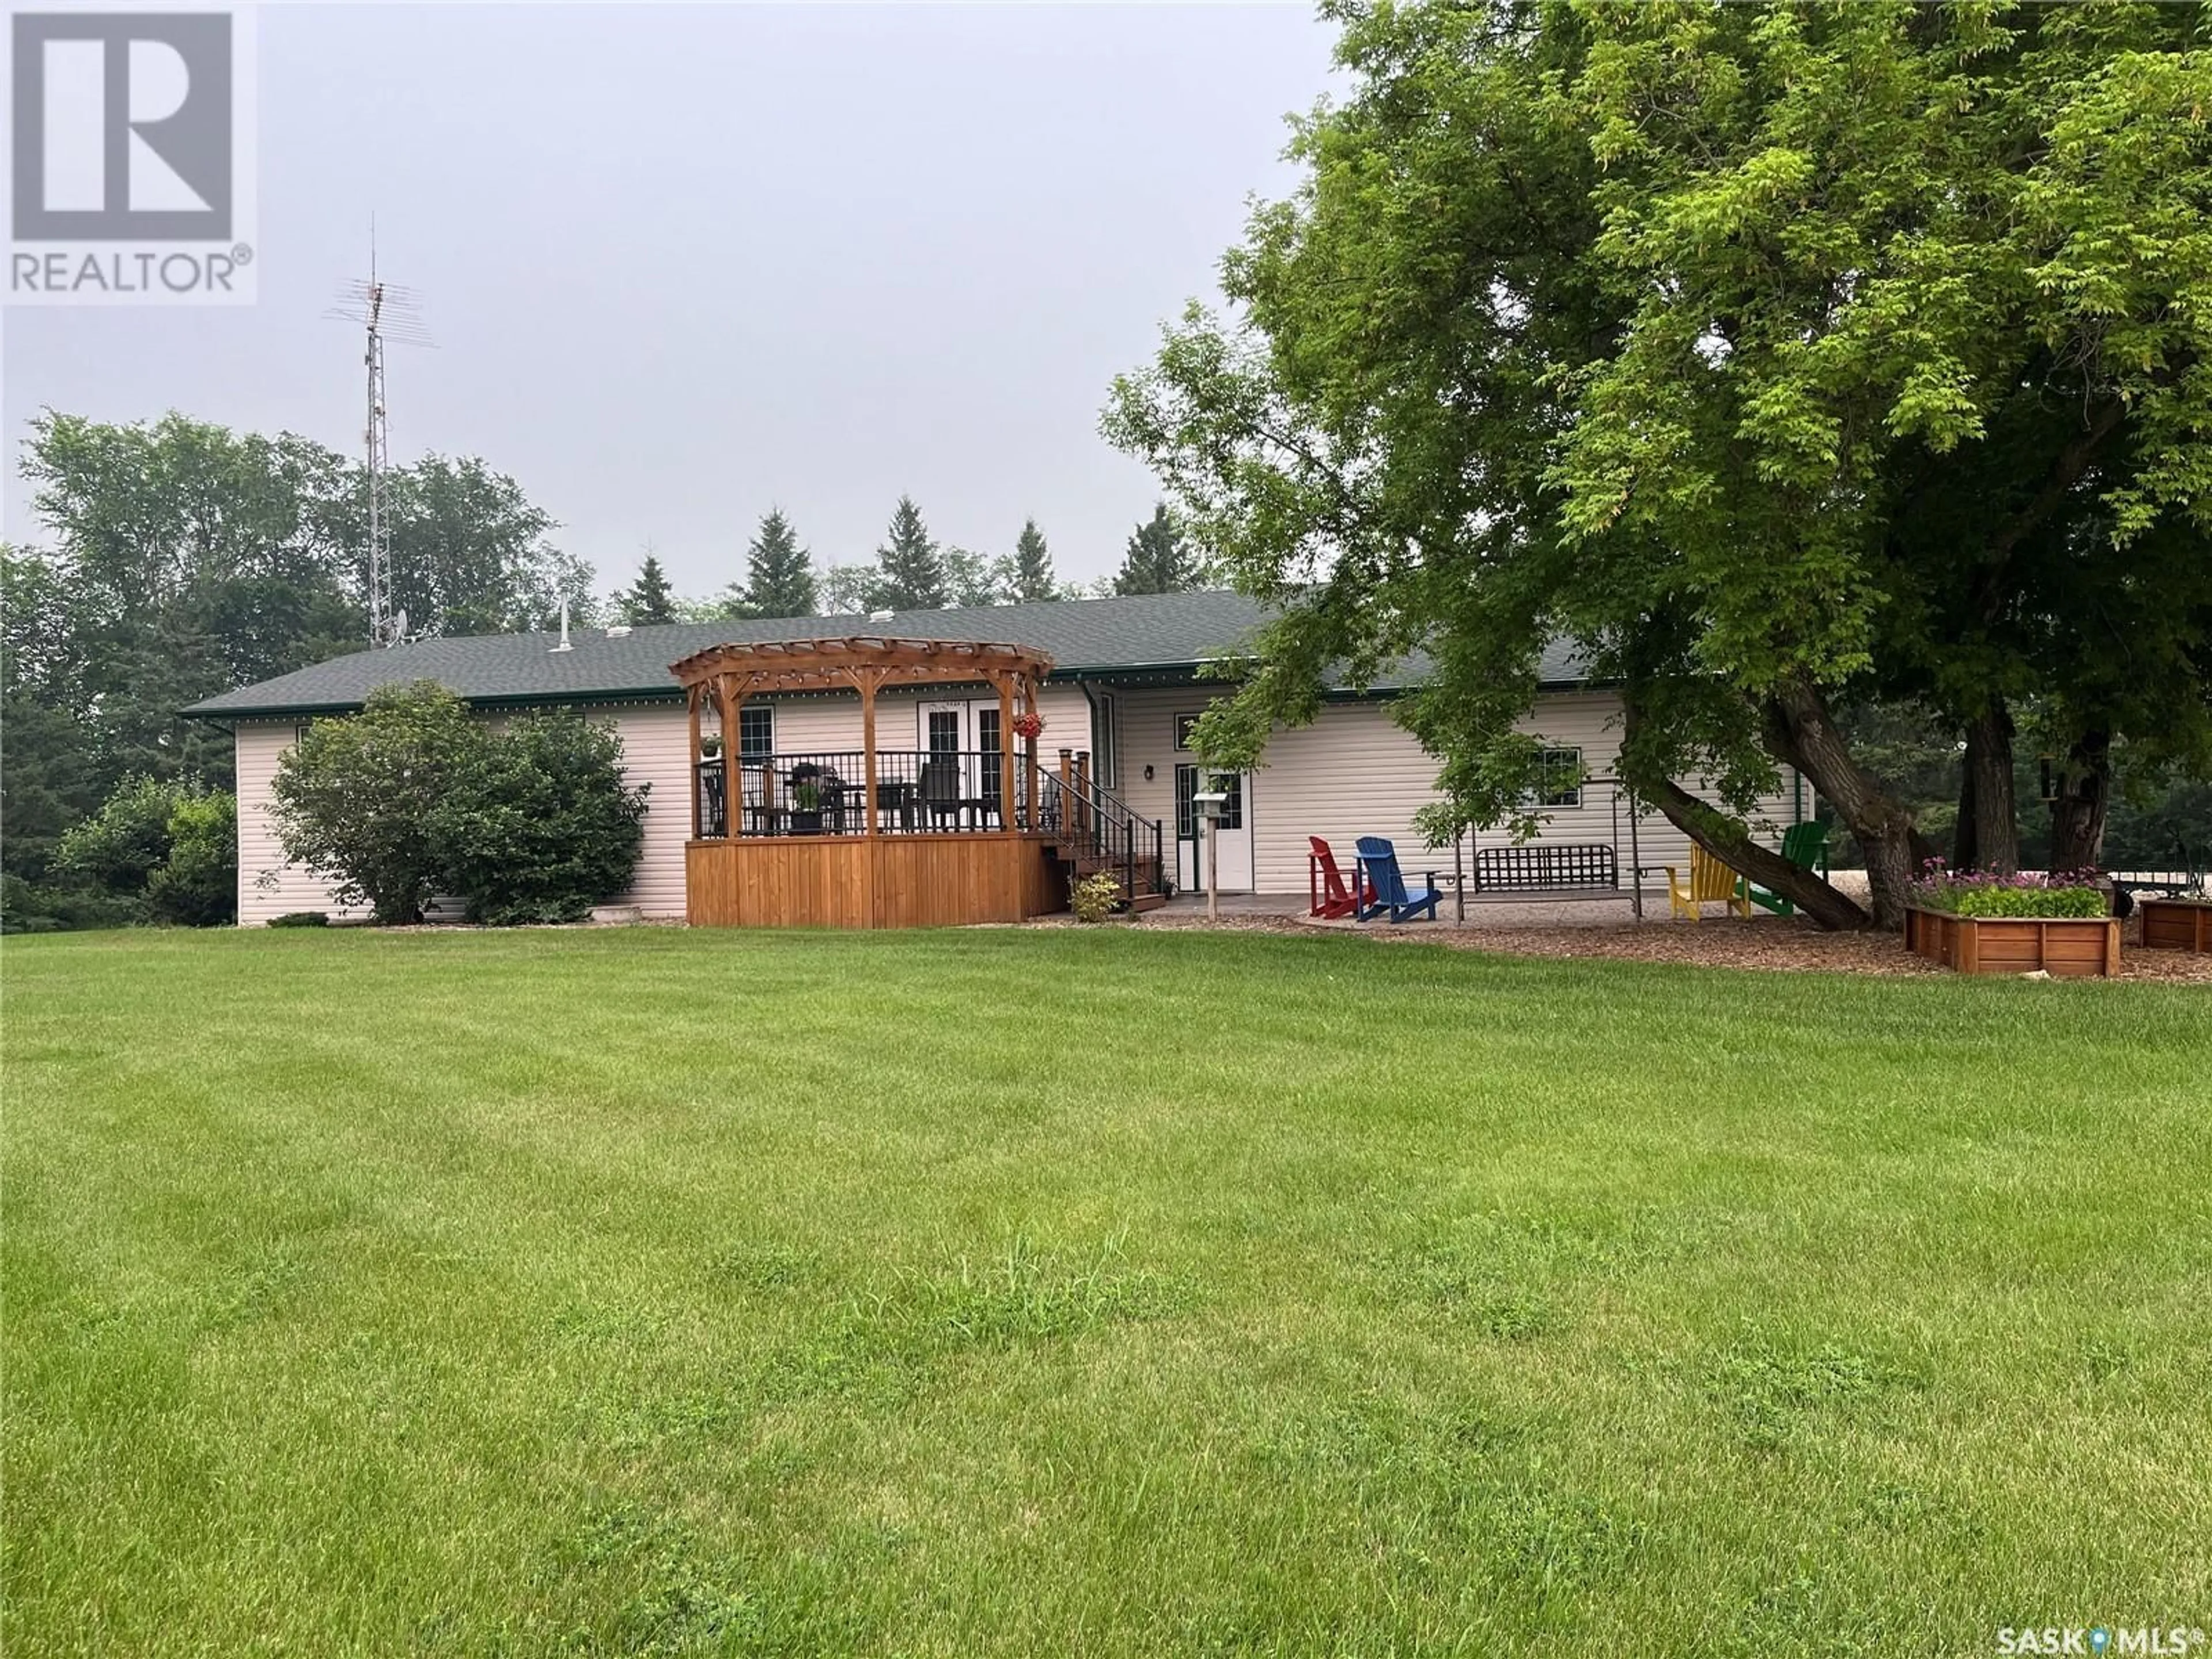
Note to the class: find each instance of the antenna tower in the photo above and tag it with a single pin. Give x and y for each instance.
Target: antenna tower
(386, 312)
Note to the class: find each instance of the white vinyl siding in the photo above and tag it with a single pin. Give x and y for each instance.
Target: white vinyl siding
(1355, 771)
(656, 749)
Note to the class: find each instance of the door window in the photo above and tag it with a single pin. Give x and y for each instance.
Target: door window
(944, 732)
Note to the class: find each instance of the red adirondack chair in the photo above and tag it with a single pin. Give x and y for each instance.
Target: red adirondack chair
(1325, 884)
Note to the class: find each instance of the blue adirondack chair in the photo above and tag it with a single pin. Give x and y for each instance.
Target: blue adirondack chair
(1386, 887)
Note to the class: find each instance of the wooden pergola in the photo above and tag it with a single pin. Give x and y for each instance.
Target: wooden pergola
(885, 873)
(728, 675)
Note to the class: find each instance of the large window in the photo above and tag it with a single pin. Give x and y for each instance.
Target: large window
(757, 731)
(1105, 742)
(1559, 777)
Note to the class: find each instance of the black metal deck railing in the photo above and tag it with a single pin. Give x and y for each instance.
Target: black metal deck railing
(825, 793)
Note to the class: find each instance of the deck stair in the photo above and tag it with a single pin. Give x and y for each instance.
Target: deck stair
(1093, 829)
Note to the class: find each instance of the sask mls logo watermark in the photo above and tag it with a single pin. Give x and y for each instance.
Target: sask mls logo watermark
(131, 158)
(2102, 1641)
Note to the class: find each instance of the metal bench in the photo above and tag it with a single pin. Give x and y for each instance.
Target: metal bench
(1538, 866)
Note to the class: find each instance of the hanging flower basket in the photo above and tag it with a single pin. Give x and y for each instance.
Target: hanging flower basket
(1029, 724)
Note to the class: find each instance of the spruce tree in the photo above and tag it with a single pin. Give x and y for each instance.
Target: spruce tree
(778, 573)
(909, 573)
(649, 601)
(1031, 577)
(1156, 560)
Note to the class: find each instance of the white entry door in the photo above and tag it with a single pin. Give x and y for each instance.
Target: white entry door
(1231, 834)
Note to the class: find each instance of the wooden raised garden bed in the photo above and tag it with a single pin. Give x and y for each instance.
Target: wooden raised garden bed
(2065, 947)
(2176, 924)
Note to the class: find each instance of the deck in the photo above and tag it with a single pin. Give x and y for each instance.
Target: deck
(950, 879)
(876, 837)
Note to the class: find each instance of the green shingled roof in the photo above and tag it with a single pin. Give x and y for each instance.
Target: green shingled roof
(1163, 632)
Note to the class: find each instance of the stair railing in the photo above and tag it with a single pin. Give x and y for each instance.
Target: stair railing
(1091, 821)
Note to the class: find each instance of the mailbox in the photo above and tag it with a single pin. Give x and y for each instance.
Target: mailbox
(1209, 804)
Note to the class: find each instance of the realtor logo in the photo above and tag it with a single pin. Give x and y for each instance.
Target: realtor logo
(130, 170)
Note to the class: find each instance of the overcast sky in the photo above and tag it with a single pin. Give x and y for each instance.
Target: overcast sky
(683, 263)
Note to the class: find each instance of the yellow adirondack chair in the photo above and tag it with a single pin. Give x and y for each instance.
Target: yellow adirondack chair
(1710, 882)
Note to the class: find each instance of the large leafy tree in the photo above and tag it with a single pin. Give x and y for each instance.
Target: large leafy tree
(473, 553)
(1158, 558)
(1776, 355)
(973, 579)
(910, 572)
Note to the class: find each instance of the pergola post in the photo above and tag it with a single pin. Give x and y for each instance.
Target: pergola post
(867, 683)
(734, 787)
(1006, 755)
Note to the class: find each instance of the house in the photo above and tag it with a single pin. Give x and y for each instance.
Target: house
(935, 748)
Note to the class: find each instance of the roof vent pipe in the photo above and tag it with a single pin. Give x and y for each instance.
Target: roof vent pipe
(564, 644)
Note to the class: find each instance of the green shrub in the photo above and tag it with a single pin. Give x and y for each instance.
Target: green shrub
(355, 798)
(2031, 901)
(1093, 898)
(198, 886)
(166, 850)
(120, 847)
(302, 919)
(540, 826)
(50, 908)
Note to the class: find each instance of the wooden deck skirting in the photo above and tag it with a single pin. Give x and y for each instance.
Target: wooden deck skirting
(2065, 947)
(871, 881)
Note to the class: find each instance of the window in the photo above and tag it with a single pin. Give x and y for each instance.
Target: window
(756, 732)
(1231, 784)
(1182, 724)
(1559, 777)
(1105, 742)
(943, 730)
(987, 740)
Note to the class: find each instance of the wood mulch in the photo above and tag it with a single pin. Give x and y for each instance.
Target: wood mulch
(1767, 944)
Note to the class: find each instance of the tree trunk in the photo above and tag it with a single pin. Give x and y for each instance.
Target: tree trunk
(1989, 826)
(1801, 733)
(2077, 811)
(1714, 832)
(1965, 838)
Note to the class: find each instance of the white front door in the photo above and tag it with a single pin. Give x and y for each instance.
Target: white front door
(1231, 834)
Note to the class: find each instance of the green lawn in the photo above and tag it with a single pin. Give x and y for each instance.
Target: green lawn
(1088, 1292)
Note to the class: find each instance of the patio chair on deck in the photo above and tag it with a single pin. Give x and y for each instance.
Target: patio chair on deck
(1325, 889)
(1386, 888)
(1804, 845)
(1710, 882)
(940, 791)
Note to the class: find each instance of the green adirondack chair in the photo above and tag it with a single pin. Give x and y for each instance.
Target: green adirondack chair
(1804, 845)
